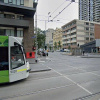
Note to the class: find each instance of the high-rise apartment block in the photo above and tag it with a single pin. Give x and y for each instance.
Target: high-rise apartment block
(89, 10)
(17, 19)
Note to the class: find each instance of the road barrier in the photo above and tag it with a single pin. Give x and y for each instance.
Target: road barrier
(30, 55)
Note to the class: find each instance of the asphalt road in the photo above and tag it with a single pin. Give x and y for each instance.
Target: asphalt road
(70, 78)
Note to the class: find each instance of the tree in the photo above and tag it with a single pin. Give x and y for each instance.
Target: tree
(55, 45)
(69, 47)
(59, 45)
(50, 48)
(40, 38)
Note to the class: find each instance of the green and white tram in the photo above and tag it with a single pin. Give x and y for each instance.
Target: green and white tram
(13, 64)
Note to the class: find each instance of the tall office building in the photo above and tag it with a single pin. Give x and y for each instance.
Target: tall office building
(89, 10)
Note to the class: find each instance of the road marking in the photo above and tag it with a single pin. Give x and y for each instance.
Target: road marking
(71, 80)
(86, 71)
(41, 61)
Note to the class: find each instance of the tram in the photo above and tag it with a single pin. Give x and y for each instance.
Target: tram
(13, 64)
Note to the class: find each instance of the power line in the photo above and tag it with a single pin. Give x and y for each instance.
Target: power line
(57, 8)
(61, 11)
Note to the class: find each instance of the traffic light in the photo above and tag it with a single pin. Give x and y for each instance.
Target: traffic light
(34, 48)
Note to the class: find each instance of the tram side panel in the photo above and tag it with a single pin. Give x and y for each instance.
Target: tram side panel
(4, 64)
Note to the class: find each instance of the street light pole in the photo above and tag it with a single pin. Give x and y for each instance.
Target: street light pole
(36, 35)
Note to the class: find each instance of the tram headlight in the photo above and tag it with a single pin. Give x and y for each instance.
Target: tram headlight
(28, 66)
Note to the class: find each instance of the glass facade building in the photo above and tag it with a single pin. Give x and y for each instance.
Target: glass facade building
(89, 10)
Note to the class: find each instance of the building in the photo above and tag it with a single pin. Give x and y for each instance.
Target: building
(57, 36)
(91, 47)
(89, 10)
(16, 19)
(49, 38)
(79, 32)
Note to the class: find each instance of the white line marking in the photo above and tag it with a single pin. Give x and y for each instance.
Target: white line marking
(71, 80)
(41, 61)
(86, 71)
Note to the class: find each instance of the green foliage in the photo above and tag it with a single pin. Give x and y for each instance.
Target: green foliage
(50, 48)
(55, 45)
(69, 47)
(59, 44)
(40, 38)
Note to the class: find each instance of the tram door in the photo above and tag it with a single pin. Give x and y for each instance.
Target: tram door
(17, 60)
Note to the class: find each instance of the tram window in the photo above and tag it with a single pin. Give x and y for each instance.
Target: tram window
(17, 58)
(4, 58)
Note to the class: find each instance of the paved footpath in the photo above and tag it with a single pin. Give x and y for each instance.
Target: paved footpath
(38, 67)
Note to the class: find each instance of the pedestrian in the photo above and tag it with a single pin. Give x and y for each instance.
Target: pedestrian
(83, 52)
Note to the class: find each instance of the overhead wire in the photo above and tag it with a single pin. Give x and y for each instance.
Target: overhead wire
(61, 11)
(57, 8)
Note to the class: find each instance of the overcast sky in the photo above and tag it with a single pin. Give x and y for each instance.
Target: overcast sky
(46, 6)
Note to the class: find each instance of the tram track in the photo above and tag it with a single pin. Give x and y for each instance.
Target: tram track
(35, 92)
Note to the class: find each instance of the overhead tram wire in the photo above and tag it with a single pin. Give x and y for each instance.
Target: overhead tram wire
(57, 8)
(65, 8)
(61, 11)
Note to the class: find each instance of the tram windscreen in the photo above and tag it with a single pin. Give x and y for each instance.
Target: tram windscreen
(4, 58)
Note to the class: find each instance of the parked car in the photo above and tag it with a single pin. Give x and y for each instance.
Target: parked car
(44, 53)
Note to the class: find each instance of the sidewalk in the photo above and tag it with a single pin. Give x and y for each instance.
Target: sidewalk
(37, 67)
(91, 55)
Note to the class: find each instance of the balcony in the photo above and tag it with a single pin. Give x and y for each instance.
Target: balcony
(27, 11)
(68, 37)
(14, 23)
(68, 32)
(73, 41)
(73, 31)
(64, 42)
(72, 36)
(68, 41)
(64, 38)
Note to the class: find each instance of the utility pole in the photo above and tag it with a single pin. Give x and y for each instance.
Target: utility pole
(36, 36)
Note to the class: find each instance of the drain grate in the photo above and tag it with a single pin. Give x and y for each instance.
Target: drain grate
(88, 96)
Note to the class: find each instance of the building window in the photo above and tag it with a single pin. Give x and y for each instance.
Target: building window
(9, 32)
(2, 31)
(91, 39)
(86, 23)
(91, 24)
(5, 1)
(1, 15)
(19, 33)
(87, 38)
(91, 34)
(87, 29)
(91, 29)
(10, 1)
(22, 2)
(16, 2)
(19, 17)
(9, 16)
